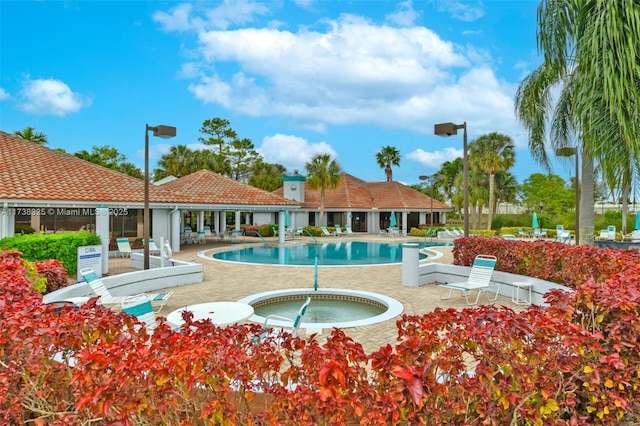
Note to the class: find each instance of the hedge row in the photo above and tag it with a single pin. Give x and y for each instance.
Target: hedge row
(574, 363)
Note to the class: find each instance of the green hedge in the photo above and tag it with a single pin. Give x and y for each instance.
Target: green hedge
(63, 247)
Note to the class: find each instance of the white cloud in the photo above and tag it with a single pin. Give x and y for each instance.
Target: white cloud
(50, 97)
(4, 95)
(434, 160)
(293, 152)
(226, 14)
(350, 71)
(463, 11)
(305, 4)
(404, 16)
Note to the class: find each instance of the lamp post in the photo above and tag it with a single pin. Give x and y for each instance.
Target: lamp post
(568, 152)
(163, 132)
(432, 179)
(449, 129)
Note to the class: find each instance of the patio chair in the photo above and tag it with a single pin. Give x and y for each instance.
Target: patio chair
(106, 298)
(295, 323)
(298, 231)
(339, 232)
(479, 280)
(456, 233)
(202, 237)
(445, 233)
(348, 231)
(563, 237)
(523, 234)
(508, 237)
(124, 248)
(208, 235)
(326, 233)
(236, 235)
(143, 311)
(393, 232)
(153, 248)
(604, 235)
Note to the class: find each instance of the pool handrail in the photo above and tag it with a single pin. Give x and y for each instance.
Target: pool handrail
(310, 234)
(255, 231)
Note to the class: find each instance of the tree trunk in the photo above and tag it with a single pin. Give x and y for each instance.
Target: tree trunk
(322, 207)
(492, 178)
(625, 208)
(587, 210)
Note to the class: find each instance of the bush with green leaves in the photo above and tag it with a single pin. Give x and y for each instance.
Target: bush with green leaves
(63, 247)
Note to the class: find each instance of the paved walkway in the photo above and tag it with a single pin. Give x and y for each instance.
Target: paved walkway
(225, 281)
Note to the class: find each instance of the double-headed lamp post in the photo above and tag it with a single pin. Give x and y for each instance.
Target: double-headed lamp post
(568, 152)
(449, 129)
(432, 179)
(163, 132)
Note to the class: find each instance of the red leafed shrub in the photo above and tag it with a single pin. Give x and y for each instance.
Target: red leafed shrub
(575, 362)
(55, 273)
(561, 263)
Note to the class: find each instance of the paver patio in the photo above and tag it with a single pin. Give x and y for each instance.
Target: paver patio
(226, 281)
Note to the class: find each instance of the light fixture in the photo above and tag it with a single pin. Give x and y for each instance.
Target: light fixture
(450, 129)
(163, 132)
(568, 152)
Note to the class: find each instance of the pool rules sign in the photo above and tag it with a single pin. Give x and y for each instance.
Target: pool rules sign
(90, 257)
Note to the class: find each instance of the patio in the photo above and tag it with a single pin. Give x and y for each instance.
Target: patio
(225, 281)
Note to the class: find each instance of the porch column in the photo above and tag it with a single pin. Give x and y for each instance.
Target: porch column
(102, 230)
(405, 218)
(200, 225)
(176, 229)
(237, 226)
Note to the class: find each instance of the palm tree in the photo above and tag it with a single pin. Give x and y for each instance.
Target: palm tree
(177, 162)
(267, 176)
(451, 186)
(30, 134)
(598, 103)
(387, 157)
(492, 153)
(323, 173)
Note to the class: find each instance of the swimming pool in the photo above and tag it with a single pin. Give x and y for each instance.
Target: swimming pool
(340, 253)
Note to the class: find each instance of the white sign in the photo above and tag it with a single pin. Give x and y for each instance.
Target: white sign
(90, 257)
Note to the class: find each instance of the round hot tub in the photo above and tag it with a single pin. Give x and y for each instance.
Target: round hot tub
(329, 307)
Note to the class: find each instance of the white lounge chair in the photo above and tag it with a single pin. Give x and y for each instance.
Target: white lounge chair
(479, 280)
(563, 237)
(326, 232)
(124, 248)
(347, 229)
(144, 312)
(106, 298)
(236, 235)
(339, 232)
(153, 248)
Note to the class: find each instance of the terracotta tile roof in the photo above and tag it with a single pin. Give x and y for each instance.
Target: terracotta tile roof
(32, 172)
(354, 193)
(207, 187)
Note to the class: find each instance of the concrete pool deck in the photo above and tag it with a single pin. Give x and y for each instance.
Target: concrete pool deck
(227, 281)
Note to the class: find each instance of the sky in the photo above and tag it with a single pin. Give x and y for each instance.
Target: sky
(298, 78)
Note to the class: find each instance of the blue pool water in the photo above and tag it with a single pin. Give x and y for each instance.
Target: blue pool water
(342, 253)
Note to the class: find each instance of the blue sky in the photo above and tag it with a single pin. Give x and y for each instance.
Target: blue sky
(296, 77)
